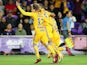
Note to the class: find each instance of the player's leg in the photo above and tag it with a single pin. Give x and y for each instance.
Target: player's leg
(49, 54)
(56, 41)
(49, 36)
(65, 34)
(49, 47)
(35, 42)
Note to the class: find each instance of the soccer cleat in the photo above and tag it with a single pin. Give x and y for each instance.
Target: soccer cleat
(55, 60)
(37, 61)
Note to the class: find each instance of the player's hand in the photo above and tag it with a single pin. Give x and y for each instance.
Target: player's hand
(17, 4)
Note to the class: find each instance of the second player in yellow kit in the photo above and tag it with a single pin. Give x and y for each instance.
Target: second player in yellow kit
(52, 31)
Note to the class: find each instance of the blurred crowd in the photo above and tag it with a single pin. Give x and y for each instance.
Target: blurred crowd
(12, 22)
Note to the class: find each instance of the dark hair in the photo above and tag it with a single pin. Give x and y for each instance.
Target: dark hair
(67, 12)
(85, 17)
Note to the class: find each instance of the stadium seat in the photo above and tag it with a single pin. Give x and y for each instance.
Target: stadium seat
(80, 31)
(74, 31)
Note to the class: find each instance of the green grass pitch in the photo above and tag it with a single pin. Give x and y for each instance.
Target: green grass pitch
(30, 59)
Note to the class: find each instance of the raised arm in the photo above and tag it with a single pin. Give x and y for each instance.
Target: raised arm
(24, 12)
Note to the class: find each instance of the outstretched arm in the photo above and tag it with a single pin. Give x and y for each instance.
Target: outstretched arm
(24, 12)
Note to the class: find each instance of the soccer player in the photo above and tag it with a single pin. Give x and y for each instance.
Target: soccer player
(40, 33)
(56, 39)
(67, 33)
(52, 31)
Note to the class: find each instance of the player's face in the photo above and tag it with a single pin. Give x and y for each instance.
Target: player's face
(33, 10)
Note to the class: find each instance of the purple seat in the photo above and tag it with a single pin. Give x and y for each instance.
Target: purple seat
(77, 24)
(74, 31)
(14, 16)
(80, 31)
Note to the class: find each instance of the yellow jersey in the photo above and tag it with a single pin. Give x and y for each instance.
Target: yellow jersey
(37, 17)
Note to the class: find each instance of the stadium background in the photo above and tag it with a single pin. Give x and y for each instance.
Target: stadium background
(13, 43)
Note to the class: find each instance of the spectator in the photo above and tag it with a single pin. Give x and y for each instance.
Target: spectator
(70, 5)
(66, 30)
(57, 4)
(65, 6)
(84, 8)
(52, 9)
(84, 26)
(10, 19)
(1, 6)
(8, 30)
(72, 20)
(59, 20)
(20, 1)
(24, 4)
(50, 2)
(20, 30)
(30, 21)
(28, 8)
(20, 19)
(46, 4)
(26, 26)
(1, 14)
(10, 7)
(77, 9)
(5, 2)
(29, 2)
(3, 25)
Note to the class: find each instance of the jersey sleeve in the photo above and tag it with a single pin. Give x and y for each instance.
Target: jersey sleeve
(50, 14)
(25, 13)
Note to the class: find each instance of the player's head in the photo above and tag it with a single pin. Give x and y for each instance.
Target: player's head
(68, 14)
(32, 9)
(36, 7)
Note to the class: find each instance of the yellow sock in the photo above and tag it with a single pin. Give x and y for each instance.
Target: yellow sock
(61, 49)
(49, 54)
(37, 52)
(50, 48)
(59, 52)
